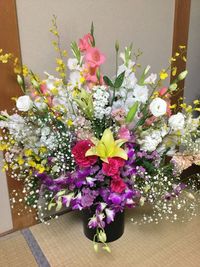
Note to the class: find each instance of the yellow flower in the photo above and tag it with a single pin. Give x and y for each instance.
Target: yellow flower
(20, 161)
(69, 123)
(3, 146)
(163, 74)
(196, 102)
(25, 71)
(174, 70)
(40, 168)
(43, 149)
(31, 163)
(107, 147)
(28, 152)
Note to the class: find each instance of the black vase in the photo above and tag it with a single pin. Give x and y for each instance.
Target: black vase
(113, 231)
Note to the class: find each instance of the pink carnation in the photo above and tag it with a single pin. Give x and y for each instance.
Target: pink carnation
(79, 151)
(117, 184)
(112, 167)
(85, 42)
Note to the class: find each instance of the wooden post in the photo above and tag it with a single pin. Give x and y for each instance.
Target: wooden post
(9, 42)
(180, 37)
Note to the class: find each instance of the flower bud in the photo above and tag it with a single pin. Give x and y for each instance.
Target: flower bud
(173, 87)
(102, 236)
(19, 80)
(96, 247)
(117, 46)
(182, 75)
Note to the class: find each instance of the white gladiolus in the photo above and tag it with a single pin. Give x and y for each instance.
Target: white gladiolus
(24, 103)
(141, 93)
(158, 107)
(151, 79)
(73, 64)
(177, 121)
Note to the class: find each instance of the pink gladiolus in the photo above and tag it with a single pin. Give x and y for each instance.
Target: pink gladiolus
(85, 42)
(94, 57)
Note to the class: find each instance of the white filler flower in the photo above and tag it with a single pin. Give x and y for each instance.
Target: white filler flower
(177, 121)
(158, 107)
(24, 103)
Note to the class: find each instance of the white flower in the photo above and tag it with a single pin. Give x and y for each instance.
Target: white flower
(177, 121)
(73, 64)
(24, 103)
(129, 81)
(75, 79)
(141, 93)
(51, 81)
(158, 107)
(151, 79)
(150, 140)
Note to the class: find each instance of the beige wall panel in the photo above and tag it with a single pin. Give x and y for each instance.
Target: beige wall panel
(146, 23)
(192, 85)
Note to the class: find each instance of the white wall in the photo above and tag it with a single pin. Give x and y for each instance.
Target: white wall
(146, 23)
(5, 212)
(192, 85)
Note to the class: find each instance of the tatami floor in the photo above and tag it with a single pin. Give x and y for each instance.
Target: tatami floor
(62, 244)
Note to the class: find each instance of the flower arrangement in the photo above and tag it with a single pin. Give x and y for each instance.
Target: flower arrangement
(86, 140)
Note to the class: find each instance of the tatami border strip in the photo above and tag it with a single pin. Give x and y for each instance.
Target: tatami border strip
(35, 248)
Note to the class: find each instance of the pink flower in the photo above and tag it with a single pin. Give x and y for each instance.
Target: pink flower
(43, 88)
(79, 151)
(151, 120)
(112, 167)
(117, 184)
(124, 133)
(85, 42)
(119, 114)
(94, 57)
(162, 91)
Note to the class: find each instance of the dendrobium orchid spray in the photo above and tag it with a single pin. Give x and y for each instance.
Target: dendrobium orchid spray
(85, 140)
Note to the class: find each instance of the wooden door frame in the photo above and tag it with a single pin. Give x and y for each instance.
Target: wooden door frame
(10, 42)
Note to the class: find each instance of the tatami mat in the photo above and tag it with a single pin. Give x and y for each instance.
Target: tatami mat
(14, 252)
(177, 245)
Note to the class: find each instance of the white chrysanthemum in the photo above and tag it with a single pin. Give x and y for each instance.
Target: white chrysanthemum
(158, 107)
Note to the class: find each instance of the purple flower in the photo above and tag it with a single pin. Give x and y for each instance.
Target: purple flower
(101, 206)
(115, 198)
(93, 222)
(110, 215)
(66, 200)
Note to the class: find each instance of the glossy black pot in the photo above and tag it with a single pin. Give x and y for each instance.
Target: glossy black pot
(114, 230)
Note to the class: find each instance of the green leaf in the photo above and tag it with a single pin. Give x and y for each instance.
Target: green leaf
(119, 80)
(108, 81)
(92, 33)
(132, 112)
